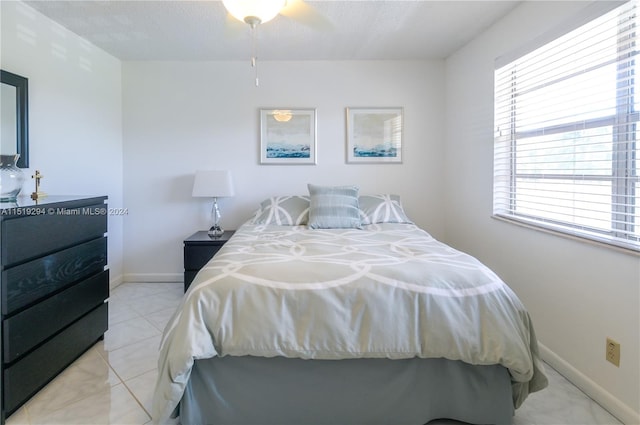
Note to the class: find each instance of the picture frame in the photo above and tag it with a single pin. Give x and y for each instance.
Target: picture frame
(374, 135)
(288, 136)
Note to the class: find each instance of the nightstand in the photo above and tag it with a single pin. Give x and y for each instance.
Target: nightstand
(199, 248)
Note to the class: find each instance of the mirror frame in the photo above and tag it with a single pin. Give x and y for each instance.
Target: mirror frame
(22, 114)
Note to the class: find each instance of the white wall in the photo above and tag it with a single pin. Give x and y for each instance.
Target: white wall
(75, 104)
(180, 117)
(577, 293)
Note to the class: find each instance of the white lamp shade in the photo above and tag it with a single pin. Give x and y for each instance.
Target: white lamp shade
(213, 184)
(265, 10)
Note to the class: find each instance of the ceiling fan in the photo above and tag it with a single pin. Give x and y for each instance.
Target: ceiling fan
(256, 12)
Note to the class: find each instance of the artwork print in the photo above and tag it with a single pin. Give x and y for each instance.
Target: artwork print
(374, 135)
(287, 136)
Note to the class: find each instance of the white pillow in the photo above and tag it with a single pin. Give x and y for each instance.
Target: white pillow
(283, 211)
(382, 209)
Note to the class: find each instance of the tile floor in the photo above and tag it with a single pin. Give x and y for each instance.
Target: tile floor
(113, 381)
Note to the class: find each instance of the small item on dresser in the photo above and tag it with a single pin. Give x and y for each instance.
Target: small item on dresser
(37, 194)
(11, 178)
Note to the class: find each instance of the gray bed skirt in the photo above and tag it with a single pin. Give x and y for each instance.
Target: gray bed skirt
(280, 391)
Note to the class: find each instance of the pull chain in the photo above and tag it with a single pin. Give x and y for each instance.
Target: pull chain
(254, 49)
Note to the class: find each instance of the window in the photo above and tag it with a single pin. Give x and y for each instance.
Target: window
(566, 123)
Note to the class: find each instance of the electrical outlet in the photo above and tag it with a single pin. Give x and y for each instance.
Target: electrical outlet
(613, 352)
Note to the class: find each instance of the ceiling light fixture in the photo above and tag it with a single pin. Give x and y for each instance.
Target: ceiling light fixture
(254, 13)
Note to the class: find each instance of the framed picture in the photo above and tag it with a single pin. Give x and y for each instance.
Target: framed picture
(374, 135)
(287, 136)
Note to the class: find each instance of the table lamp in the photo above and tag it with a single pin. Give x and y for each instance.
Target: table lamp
(213, 184)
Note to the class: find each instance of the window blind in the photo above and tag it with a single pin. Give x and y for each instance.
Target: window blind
(565, 150)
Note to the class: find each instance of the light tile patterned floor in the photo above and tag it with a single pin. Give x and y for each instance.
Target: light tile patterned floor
(112, 382)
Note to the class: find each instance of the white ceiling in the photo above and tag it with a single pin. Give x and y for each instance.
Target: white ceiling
(202, 30)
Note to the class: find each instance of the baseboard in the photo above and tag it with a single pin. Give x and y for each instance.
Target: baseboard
(116, 281)
(153, 277)
(624, 413)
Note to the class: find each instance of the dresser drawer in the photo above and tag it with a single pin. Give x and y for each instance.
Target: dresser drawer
(195, 257)
(28, 237)
(34, 371)
(26, 283)
(30, 327)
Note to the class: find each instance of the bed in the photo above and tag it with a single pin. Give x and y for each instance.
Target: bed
(335, 308)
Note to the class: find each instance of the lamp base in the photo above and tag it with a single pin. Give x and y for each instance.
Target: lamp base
(215, 231)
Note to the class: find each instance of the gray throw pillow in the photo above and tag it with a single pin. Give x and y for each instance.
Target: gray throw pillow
(334, 207)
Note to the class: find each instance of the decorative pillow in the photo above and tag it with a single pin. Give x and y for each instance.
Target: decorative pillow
(283, 211)
(381, 209)
(334, 207)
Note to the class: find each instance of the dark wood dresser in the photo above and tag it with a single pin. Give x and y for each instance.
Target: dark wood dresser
(54, 286)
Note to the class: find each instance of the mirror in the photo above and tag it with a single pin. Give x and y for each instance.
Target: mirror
(14, 107)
